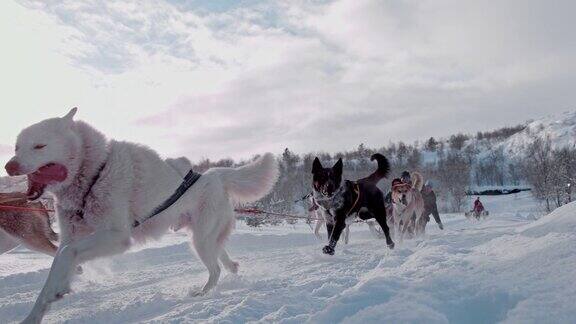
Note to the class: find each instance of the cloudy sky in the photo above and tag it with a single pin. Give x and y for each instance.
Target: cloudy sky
(227, 78)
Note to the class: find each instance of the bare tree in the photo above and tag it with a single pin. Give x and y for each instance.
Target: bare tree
(414, 160)
(538, 168)
(457, 141)
(454, 175)
(431, 145)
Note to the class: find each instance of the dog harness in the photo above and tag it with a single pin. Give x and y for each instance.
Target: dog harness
(189, 180)
(331, 242)
(80, 211)
(357, 191)
(329, 203)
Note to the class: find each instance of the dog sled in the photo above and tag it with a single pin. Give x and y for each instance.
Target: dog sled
(478, 211)
(477, 214)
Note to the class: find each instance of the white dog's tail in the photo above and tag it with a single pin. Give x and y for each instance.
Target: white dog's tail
(417, 181)
(252, 181)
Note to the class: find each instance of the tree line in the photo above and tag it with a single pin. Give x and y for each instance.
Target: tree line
(452, 165)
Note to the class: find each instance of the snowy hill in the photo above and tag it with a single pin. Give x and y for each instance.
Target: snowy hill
(505, 269)
(497, 158)
(561, 129)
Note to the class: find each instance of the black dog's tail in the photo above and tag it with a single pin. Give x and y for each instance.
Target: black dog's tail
(381, 172)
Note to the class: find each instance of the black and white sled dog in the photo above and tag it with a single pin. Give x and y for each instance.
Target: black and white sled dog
(102, 187)
(321, 217)
(342, 200)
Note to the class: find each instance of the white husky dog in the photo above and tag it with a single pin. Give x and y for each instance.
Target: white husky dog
(101, 187)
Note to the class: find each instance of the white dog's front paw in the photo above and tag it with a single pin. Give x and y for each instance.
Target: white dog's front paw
(196, 292)
(233, 267)
(61, 293)
(57, 294)
(32, 318)
(57, 291)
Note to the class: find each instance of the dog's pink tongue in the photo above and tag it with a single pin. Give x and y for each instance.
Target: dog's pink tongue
(49, 174)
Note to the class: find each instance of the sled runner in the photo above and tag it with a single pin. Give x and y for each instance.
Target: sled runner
(476, 214)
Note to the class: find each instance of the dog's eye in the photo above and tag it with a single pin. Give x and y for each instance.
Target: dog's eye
(39, 146)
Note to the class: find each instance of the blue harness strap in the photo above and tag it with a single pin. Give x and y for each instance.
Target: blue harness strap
(189, 180)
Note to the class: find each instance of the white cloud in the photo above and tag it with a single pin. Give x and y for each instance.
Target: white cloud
(206, 80)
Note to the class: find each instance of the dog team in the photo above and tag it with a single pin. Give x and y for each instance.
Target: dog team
(102, 187)
(337, 203)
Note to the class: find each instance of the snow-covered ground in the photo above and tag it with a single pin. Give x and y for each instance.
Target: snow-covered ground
(508, 268)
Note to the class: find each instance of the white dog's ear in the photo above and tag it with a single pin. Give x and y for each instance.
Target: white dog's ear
(70, 115)
(69, 118)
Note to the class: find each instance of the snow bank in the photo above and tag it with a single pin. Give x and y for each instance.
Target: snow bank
(561, 220)
(489, 273)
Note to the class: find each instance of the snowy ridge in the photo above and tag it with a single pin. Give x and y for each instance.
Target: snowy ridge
(560, 128)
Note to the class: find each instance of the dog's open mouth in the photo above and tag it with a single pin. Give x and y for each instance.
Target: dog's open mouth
(50, 173)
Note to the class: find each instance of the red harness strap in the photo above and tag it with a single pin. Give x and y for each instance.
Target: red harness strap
(8, 207)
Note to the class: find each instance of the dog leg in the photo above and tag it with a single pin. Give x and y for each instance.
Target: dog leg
(397, 227)
(208, 254)
(335, 234)
(412, 230)
(380, 215)
(317, 229)
(399, 212)
(329, 229)
(347, 234)
(400, 224)
(373, 230)
(228, 263)
(405, 229)
(436, 216)
(409, 220)
(422, 223)
(103, 243)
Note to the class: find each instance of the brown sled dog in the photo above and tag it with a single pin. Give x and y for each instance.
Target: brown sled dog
(408, 207)
(22, 227)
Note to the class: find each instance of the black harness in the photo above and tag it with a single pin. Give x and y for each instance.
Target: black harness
(80, 212)
(189, 180)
